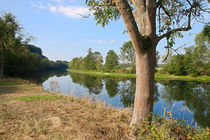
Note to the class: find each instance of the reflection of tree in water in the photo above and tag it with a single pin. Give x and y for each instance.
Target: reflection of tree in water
(40, 77)
(127, 92)
(196, 96)
(111, 85)
(93, 84)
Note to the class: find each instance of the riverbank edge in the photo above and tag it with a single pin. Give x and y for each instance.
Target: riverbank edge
(158, 76)
(29, 112)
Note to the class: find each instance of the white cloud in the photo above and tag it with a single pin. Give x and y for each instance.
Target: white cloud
(113, 41)
(69, 11)
(62, 0)
(38, 6)
(97, 41)
(57, 0)
(101, 41)
(73, 11)
(52, 8)
(42, 7)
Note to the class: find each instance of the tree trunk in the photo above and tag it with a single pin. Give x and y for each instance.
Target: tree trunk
(2, 62)
(144, 42)
(145, 69)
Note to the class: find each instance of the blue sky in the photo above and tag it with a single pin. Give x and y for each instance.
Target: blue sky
(62, 33)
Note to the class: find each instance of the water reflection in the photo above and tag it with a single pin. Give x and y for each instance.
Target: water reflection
(127, 92)
(196, 97)
(111, 85)
(191, 99)
(93, 84)
(123, 86)
(40, 77)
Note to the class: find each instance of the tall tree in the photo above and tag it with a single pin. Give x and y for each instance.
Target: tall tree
(99, 60)
(9, 29)
(201, 54)
(111, 61)
(127, 53)
(99, 63)
(89, 62)
(142, 18)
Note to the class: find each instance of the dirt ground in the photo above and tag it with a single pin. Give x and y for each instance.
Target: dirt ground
(59, 118)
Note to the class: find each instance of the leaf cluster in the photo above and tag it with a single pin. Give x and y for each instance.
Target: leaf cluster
(104, 11)
(195, 61)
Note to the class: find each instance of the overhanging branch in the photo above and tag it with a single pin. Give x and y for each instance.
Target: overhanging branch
(168, 33)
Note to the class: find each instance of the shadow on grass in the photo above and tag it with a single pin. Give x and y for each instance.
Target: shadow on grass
(13, 85)
(8, 89)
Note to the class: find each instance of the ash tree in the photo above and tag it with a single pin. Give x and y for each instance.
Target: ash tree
(147, 22)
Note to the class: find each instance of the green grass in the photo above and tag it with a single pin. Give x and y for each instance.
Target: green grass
(103, 74)
(37, 97)
(158, 76)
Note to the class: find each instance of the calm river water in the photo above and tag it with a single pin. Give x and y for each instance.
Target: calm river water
(189, 101)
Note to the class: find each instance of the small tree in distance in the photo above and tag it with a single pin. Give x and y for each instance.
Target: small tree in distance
(127, 53)
(99, 62)
(111, 61)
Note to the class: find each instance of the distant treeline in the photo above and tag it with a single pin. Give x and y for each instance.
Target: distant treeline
(94, 61)
(27, 59)
(122, 63)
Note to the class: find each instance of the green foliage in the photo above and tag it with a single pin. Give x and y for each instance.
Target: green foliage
(9, 37)
(34, 49)
(99, 62)
(93, 84)
(111, 61)
(21, 63)
(195, 61)
(92, 61)
(175, 66)
(127, 53)
(24, 63)
(75, 63)
(111, 85)
(196, 97)
(168, 128)
(103, 14)
(89, 62)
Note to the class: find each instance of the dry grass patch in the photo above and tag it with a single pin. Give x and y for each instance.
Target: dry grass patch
(31, 113)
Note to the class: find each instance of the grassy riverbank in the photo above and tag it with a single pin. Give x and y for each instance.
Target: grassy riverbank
(27, 112)
(158, 76)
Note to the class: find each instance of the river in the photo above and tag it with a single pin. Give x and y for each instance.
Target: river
(189, 101)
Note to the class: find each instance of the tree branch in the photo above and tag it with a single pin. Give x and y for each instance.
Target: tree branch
(179, 29)
(165, 10)
(130, 23)
(139, 3)
(151, 4)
